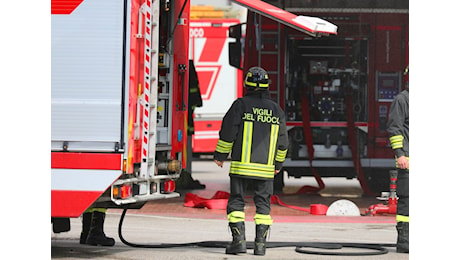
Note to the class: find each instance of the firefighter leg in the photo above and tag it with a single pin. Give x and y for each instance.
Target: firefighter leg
(236, 216)
(236, 224)
(402, 214)
(262, 219)
(86, 224)
(96, 235)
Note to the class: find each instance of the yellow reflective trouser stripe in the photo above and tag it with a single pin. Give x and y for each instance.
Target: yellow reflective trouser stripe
(247, 142)
(396, 141)
(281, 155)
(252, 169)
(236, 216)
(91, 210)
(263, 219)
(273, 138)
(402, 218)
(224, 147)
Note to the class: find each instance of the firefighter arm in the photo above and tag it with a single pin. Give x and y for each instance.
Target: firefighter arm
(282, 145)
(219, 163)
(395, 127)
(227, 133)
(403, 162)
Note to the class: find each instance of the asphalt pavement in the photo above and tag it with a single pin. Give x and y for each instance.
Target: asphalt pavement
(184, 229)
(154, 231)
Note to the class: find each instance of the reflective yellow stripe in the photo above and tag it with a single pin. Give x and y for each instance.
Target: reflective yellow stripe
(261, 219)
(273, 137)
(396, 141)
(252, 84)
(281, 155)
(402, 218)
(247, 142)
(224, 147)
(252, 169)
(91, 210)
(236, 216)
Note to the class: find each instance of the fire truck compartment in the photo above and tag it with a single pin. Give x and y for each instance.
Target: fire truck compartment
(87, 79)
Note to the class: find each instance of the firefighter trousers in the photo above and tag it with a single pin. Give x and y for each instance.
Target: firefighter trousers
(402, 191)
(263, 189)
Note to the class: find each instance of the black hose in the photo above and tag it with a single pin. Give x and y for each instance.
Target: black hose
(378, 249)
(146, 245)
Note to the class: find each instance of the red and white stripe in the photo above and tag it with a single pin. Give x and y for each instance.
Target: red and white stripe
(146, 89)
(78, 179)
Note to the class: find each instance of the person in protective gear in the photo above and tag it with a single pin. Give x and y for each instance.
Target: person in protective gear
(93, 228)
(185, 180)
(254, 131)
(398, 130)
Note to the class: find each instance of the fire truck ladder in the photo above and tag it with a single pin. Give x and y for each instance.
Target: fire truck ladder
(264, 39)
(151, 10)
(149, 32)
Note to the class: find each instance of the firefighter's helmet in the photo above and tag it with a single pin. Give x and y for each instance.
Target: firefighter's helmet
(406, 74)
(257, 78)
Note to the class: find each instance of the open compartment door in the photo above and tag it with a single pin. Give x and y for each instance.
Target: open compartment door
(313, 26)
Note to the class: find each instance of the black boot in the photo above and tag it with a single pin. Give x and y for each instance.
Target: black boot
(86, 224)
(261, 238)
(238, 244)
(402, 245)
(96, 234)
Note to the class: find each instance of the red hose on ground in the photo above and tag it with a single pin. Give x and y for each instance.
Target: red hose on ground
(220, 198)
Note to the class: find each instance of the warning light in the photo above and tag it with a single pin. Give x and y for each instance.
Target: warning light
(116, 192)
(169, 186)
(126, 191)
(124, 165)
(122, 192)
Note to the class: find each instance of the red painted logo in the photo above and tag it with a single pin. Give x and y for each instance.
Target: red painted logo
(207, 65)
(64, 6)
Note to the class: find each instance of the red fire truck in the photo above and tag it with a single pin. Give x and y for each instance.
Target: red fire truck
(337, 90)
(119, 87)
(220, 83)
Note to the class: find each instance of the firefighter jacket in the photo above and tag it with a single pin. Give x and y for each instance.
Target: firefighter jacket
(254, 131)
(398, 124)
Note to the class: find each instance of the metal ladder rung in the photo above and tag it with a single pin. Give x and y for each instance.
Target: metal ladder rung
(150, 9)
(269, 52)
(269, 33)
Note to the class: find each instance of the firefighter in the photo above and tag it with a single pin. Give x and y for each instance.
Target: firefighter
(185, 180)
(93, 228)
(254, 131)
(398, 130)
